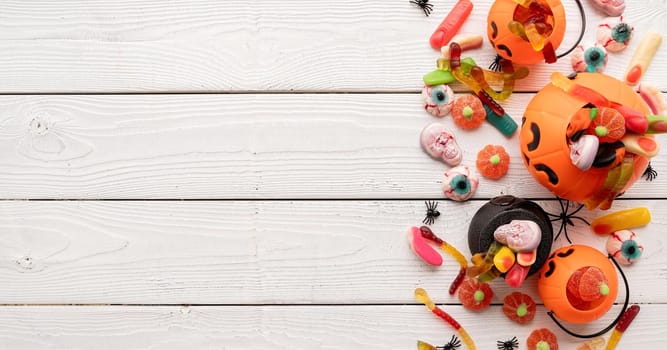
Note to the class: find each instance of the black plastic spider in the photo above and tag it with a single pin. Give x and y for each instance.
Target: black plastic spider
(565, 217)
(650, 174)
(453, 344)
(424, 5)
(509, 344)
(495, 65)
(431, 212)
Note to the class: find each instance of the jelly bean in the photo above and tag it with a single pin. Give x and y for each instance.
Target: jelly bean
(451, 24)
(642, 57)
(621, 220)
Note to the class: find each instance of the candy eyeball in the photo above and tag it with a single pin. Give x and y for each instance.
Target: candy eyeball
(439, 142)
(624, 247)
(613, 34)
(583, 151)
(438, 99)
(460, 183)
(592, 59)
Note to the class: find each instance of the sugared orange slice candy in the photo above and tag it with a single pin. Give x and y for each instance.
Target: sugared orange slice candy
(608, 125)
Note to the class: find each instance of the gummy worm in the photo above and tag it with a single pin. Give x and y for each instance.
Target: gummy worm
(451, 251)
(479, 76)
(621, 326)
(422, 297)
(457, 71)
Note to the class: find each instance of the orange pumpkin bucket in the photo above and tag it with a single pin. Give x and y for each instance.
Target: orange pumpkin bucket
(527, 33)
(549, 124)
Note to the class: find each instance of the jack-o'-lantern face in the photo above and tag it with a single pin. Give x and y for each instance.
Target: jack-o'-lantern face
(578, 283)
(544, 145)
(517, 48)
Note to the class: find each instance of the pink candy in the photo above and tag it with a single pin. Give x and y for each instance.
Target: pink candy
(519, 235)
(439, 143)
(610, 7)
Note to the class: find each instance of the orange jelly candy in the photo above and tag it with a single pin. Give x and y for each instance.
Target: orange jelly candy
(519, 307)
(608, 125)
(468, 112)
(542, 339)
(493, 161)
(475, 295)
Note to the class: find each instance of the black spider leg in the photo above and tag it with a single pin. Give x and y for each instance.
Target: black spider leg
(495, 65)
(431, 212)
(424, 5)
(650, 174)
(565, 218)
(453, 344)
(509, 344)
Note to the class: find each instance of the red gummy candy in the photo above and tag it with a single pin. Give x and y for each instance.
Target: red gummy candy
(475, 295)
(544, 336)
(591, 283)
(519, 307)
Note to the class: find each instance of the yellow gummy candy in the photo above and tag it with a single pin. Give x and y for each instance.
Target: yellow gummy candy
(504, 259)
(621, 220)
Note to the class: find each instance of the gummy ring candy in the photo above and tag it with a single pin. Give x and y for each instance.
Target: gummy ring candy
(519, 307)
(493, 161)
(438, 99)
(460, 183)
(475, 295)
(614, 34)
(592, 59)
(542, 339)
(468, 112)
(624, 247)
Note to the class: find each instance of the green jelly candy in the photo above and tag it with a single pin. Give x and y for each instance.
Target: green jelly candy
(505, 124)
(439, 77)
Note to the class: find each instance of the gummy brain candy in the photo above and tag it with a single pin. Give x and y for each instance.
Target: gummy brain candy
(475, 295)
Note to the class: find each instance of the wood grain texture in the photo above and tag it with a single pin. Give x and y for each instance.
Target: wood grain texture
(284, 327)
(243, 147)
(256, 252)
(296, 45)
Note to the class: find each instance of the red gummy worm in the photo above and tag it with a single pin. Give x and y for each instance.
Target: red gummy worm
(627, 318)
(428, 234)
(445, 317)
(489, 101)
(457, 281)
(451, 24)
(454, 55)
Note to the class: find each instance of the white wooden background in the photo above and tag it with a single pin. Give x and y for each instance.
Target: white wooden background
(241, 174)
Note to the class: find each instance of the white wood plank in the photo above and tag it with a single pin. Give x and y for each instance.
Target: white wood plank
(263, 45)
(242, 146)
(275, 252)
(285, 327)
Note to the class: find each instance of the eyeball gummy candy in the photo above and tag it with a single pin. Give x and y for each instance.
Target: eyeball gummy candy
(460, 183)
(438, 99)
(613, 34)
(624, 247)
(592, 59)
